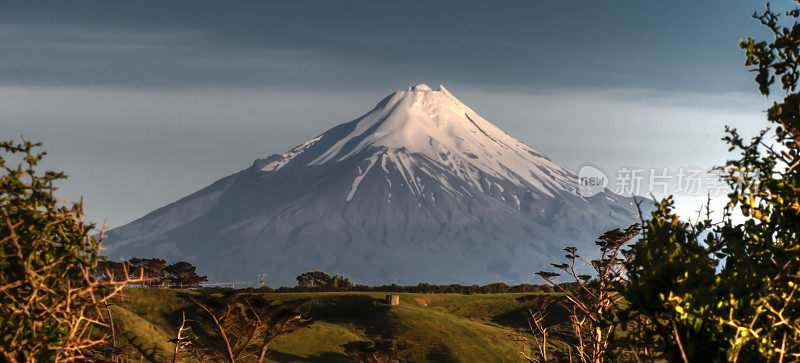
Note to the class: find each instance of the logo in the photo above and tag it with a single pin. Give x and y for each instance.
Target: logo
(591, 181)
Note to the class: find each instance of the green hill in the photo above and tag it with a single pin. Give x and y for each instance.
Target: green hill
(435, 327)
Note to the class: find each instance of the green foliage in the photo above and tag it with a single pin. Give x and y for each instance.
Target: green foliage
(728, 290)
(47, 260)
(671, 280)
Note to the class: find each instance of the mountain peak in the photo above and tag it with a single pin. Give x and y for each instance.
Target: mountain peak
(437, 127)
(420, 87)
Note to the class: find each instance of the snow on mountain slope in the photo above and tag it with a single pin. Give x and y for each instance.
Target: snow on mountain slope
(420, 188)
(436, 125)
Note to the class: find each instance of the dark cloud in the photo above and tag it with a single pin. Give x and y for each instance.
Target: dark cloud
(541, 44)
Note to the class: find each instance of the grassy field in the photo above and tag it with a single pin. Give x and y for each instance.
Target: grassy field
(435, 327)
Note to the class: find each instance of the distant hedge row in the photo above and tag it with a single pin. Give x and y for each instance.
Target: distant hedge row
(421, 288)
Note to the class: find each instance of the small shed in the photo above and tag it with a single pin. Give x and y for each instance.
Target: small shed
(393, 299)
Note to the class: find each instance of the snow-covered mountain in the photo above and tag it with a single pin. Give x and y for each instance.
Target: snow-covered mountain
(419, 189)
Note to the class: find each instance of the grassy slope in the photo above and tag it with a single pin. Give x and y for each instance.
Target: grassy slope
(139, 337)
(438, 327)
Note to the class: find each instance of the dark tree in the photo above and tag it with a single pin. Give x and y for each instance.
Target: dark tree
(592, 301)
(183, 274)
(313, 278)
(152, 269)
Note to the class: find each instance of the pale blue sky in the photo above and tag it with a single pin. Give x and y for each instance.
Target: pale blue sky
(145, 102)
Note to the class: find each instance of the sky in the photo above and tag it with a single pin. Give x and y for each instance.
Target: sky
(145, 102)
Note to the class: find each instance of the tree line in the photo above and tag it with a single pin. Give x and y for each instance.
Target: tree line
(153, 272)
(320, 281)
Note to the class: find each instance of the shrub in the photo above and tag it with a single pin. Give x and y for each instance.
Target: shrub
(728, 290)
(49, 300)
